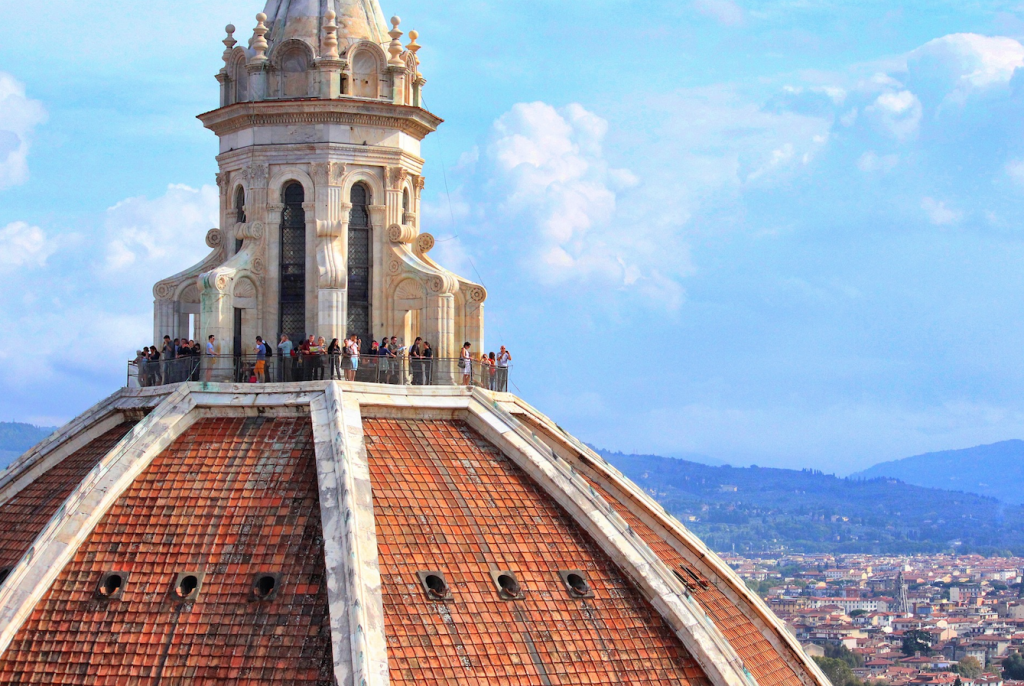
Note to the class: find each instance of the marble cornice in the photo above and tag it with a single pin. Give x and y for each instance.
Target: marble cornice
(415, 121)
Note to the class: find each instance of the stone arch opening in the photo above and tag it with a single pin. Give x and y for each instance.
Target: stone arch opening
(365, 78)
(360, 261)
(239, 214)
(295, 73)
(240, 76)
(292, 300)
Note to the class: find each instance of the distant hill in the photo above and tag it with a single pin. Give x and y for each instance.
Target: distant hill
(689, 457)
(16, 438)
(995, 470)
(754, 508)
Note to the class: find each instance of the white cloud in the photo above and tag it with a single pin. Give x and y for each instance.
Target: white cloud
(19, 116)
(899, 113)
(152, 236)
(22, 245)
(962, 62)
(551, 165)
(938, 213)
(724, 11)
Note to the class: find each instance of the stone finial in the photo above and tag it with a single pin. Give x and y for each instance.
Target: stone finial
(330, 49)
(259, 41)
(229, 42)
(414, 48)
(396, 45)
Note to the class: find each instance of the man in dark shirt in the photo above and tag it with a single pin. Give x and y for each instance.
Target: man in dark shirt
(416, 355)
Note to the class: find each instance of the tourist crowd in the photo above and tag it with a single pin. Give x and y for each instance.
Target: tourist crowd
(388, 361)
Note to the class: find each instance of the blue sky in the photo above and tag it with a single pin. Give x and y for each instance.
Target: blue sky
(782, 233)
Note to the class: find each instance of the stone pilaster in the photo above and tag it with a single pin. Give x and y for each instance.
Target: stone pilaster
(331, 229)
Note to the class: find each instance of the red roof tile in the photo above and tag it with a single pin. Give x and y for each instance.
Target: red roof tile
(446, 500)
(23, 517)
(230, 498)
(757, 653)
(760, 657)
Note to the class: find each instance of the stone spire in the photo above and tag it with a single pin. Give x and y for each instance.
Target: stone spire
(304, 20)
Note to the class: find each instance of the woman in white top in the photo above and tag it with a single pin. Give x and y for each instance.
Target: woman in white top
(466, 365)
(352, 351)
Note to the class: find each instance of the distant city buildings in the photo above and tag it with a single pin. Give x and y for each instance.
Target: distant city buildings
(901, 620)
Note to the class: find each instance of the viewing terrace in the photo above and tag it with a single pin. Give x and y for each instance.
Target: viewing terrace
(396, 371)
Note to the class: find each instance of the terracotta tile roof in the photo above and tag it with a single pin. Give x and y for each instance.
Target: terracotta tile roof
(231, 498)
(446, 500)
(24, 516)
(757, 653)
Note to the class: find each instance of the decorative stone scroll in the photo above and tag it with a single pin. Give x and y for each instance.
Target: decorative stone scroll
(163, 291)
(401, 234)
(443, 284)
(425, 243)
(214, 238)
(253, 230)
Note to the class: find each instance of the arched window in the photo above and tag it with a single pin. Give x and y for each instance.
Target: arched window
(405, 201)
(295, 74)
(239, 214)
(360, 259)
(364, 75)
(241, 79)
(293, 264)
(240, 205)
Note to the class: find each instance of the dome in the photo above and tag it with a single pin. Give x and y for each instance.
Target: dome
(346, 533)
(303, 20)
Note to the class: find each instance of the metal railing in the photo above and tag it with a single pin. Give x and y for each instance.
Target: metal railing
(397, 371)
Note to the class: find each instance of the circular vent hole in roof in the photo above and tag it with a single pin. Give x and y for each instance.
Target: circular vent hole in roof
(509, 585)
(111, 584)
(435, 585)
(265, 586)
(187, 585)
(578, 584)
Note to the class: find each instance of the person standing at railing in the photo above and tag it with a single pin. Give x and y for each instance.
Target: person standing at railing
(334, 354)
(504, 357)
(466, 364)
(428, 360)
(352, 354)
(416, 357)
(306, 357)
(394, 366)
(319, 352)
(492, 371)
(142, 364)
(261, 361)
(211, 356)
(156, 375)
(195, 357)
(285, 348)
(382, 361)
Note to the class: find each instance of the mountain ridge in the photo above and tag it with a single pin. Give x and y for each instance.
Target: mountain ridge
(16, 438)
(995, 470)
(753, 509)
